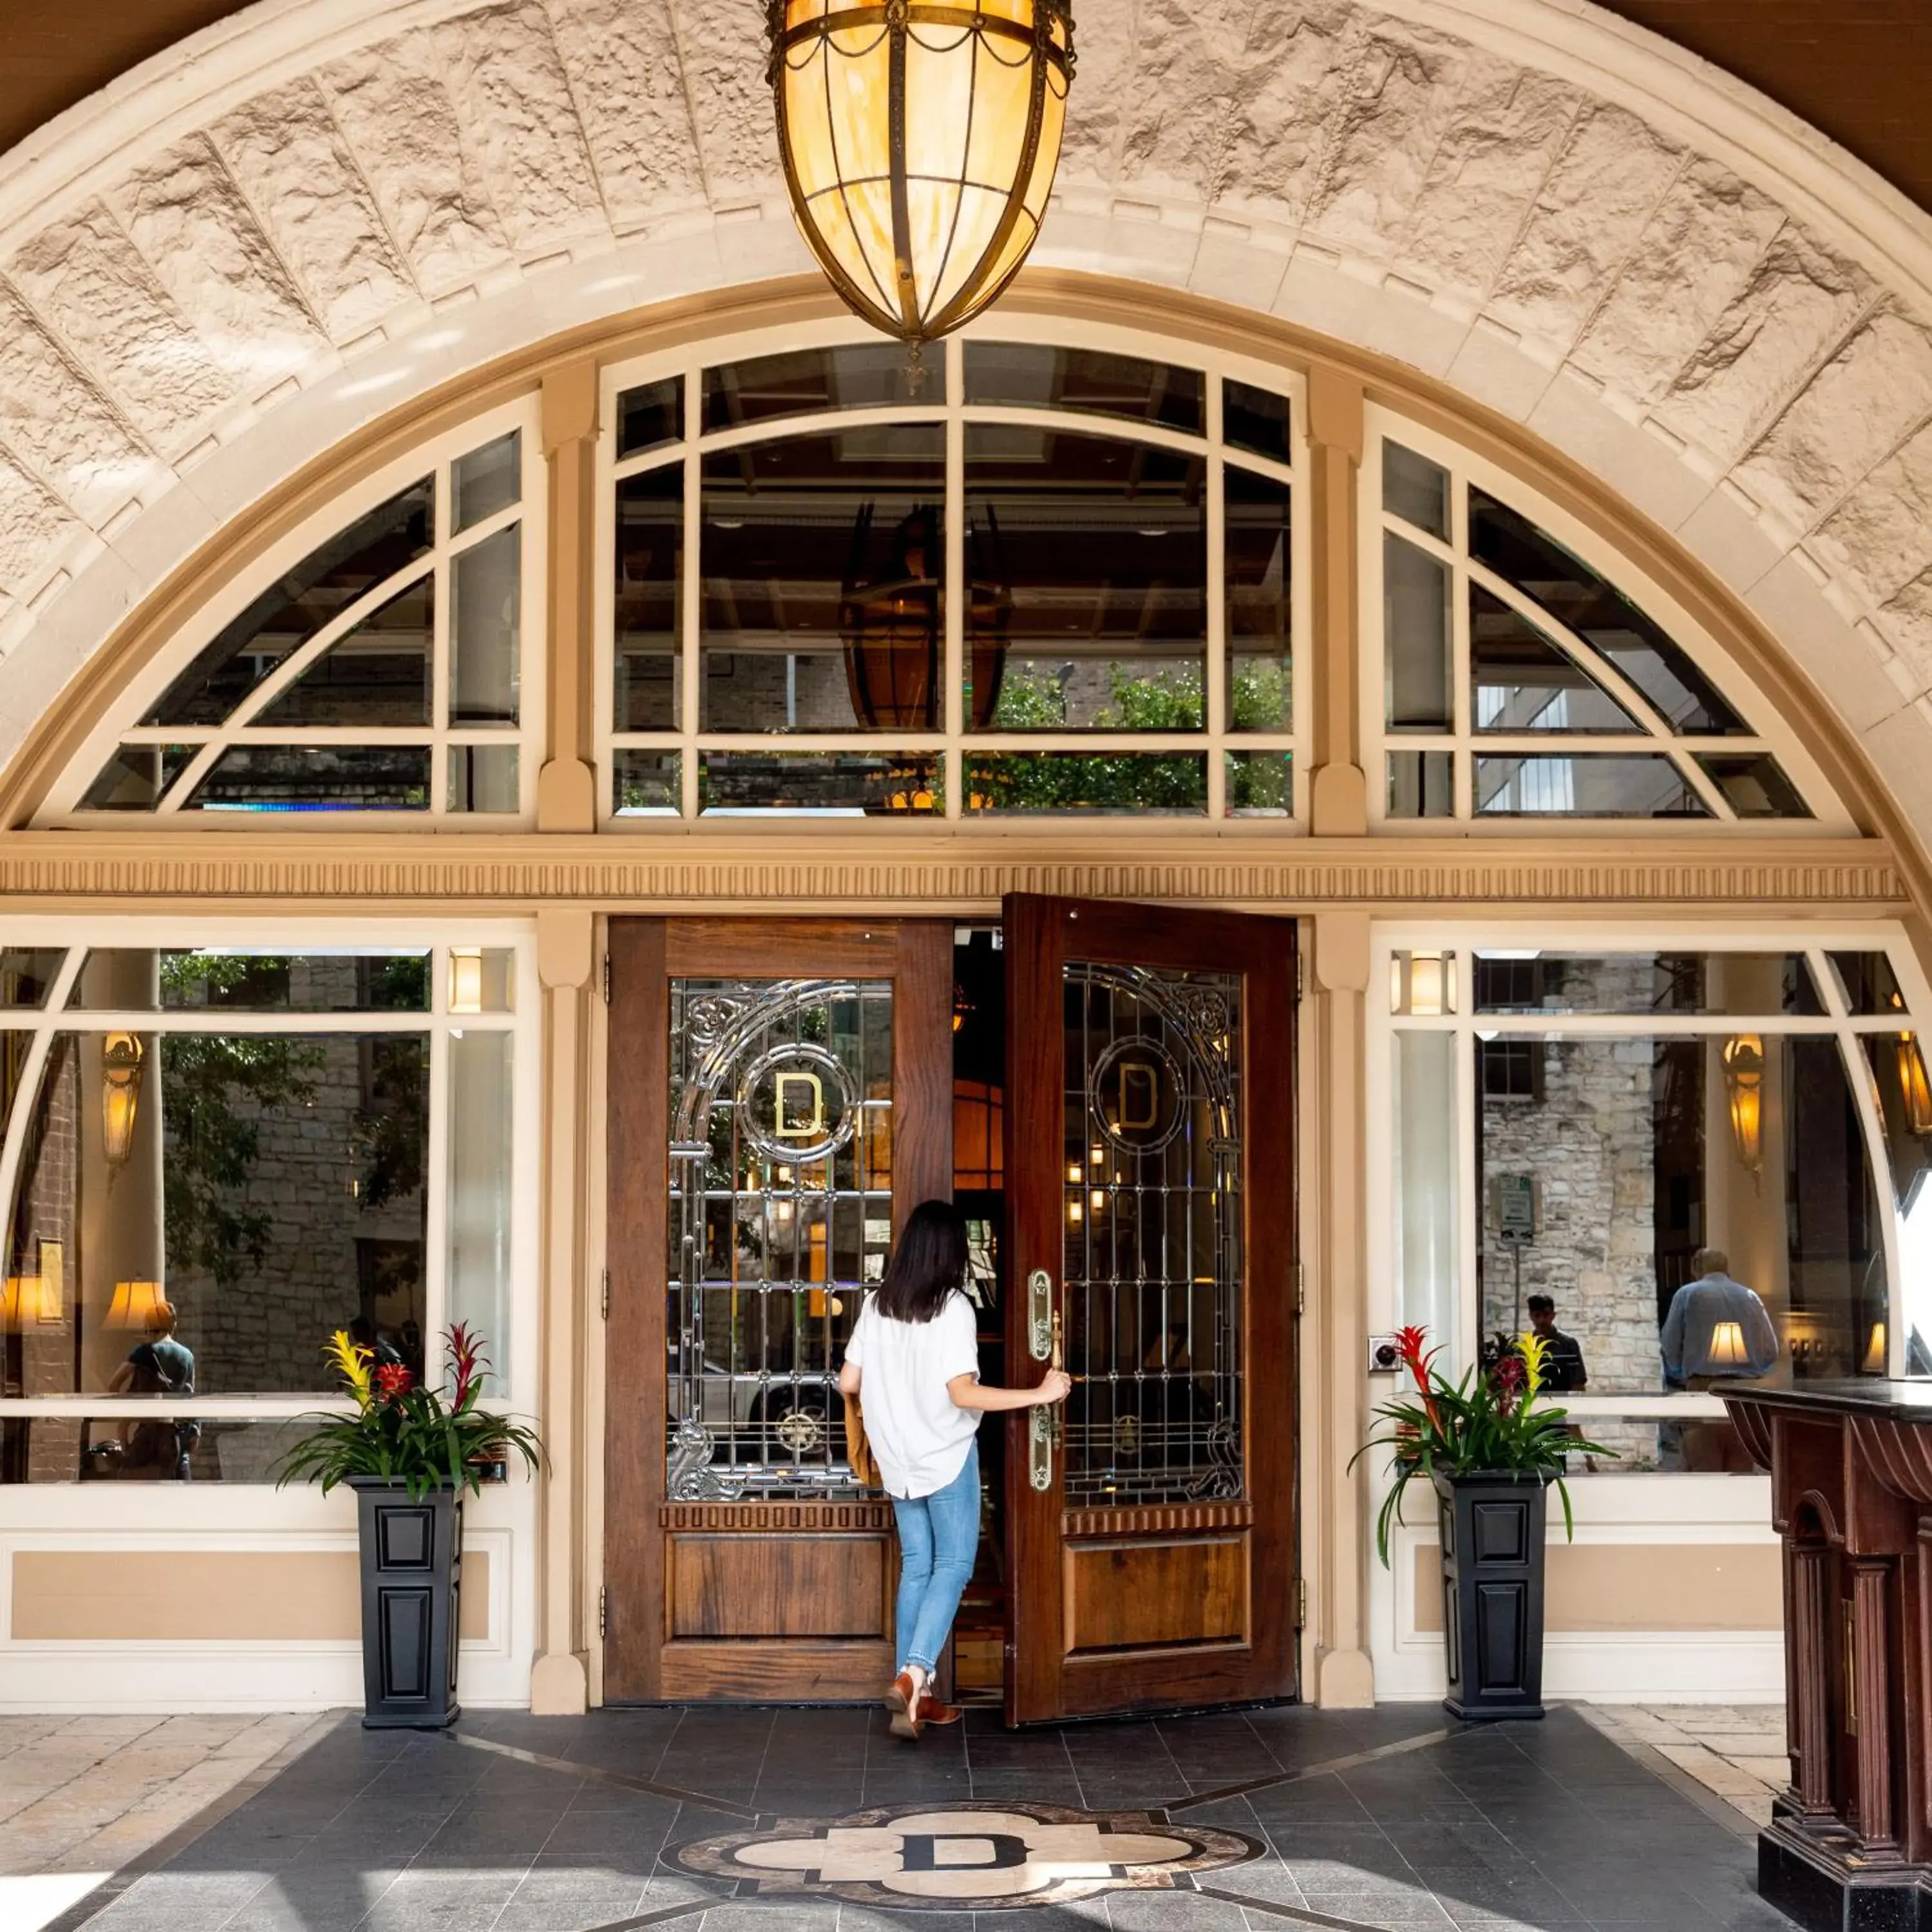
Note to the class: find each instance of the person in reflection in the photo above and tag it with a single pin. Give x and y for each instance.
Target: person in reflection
(914, 1356)
(383, 1352)
(160, 1365)
(1563, 1370)
(1717, 1331)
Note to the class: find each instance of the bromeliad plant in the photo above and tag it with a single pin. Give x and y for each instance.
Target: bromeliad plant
(1493, 1422)
(402, 1433)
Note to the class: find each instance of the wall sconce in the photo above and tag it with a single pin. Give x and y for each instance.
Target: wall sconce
(1914, 1089)
(121, 1057)
(1875, 1363)
(465, 979)
(1422, 985)
(1744, 1085)
(1727, 1345)
(134, 1303)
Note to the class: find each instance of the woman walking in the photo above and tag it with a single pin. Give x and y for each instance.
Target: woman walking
(915, 1352)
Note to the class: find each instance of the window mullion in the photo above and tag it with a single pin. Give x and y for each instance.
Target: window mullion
(957, 590)
(689, 591)
(1215, 669)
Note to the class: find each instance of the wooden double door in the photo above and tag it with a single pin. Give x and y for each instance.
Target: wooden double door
(784, 1093)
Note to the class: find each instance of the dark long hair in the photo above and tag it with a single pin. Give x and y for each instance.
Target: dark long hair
(929, 1264)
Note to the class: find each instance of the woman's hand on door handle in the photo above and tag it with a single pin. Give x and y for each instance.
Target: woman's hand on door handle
(969, 1392)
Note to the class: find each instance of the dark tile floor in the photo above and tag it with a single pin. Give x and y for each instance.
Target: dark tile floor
(1389, 1818)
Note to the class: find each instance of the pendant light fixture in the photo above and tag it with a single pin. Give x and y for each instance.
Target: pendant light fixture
(919, 142)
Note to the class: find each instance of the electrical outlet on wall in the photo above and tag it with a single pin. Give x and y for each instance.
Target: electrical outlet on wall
(1384, 1355)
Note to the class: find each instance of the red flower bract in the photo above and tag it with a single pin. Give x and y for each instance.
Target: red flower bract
(392, 1380)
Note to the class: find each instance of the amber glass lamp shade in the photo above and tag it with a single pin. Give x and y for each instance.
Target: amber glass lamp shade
(121, 1055)
(134, 1303)
(1914, 1091)
(1727, 1344)
(919, 142)
(28, 1299)
(1743, 1088)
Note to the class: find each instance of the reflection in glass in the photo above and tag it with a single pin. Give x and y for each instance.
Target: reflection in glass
(293, 610)
(835, 784)
(1742, 983)
(95, 1448)
(1869, 983)
(650, 414)
(1261, 784)
(1427, 1185)
(1149, 783)
(801, 381)
(1900, 1083)
(1416, 637)
(136, 777)
(482, 1188)
(27, 977)
(1522, 683)
(482, 979)
(1415, 490)
(485, 628)
(1585, 784)
(645, 783)
(377, 673)
(1104, 544)
(483, 778)
(317, 778)
(1421, 784)
(1261, 624)
(134, 980)
(1256, 420)
(1024, 375)
(270, 1187)
(1754, 785)
(780, 1215)
(650, 570)
(486, 481)
(1152, 1208)
(792, 532)
(1536, 564)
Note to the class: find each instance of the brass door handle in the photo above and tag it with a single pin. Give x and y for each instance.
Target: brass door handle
(1041, 1320)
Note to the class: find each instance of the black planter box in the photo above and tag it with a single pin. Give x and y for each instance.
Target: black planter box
(411, 1563)
(1493, 1594)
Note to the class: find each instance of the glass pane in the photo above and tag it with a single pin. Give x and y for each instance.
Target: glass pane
(1585, 784)
(1261, 784)
(1754, 785)
(781, 1214)
(645, 784)
(649, 415)
(1416, 638)
(1522, 683)
(95, 1449)
(137, 777)
(650, 572)
(823, 785)
(198, 1213)
(1904, 1093)
(1415, 490)
(378, 673)
(1024, 375)
(27, 975)
(482, 1185)
(1697, 1211)
(1869, 983)
(487, 480)
(317, 778)
(485, 629)
(1426, 1189)
(135, 979)
(1256, 420)
(1093, 554)
(1152, 1202)
(801, 381)
(1606, 620)
(1261, 622)
(1646, 982)
(482, 979)
(1421, 784)
(1088, 782)
(483, 778)
(824, 558)
(294, 608)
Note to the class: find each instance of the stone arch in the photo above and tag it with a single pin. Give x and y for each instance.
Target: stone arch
(283, 228)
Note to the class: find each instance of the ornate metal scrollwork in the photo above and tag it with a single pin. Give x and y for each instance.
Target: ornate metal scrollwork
(692, 1478)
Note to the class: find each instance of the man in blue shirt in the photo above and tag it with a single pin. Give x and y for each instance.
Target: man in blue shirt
(1717, 1329)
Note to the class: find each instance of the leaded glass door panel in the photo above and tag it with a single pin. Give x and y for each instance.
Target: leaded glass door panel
(780, 1100)
(1150, 1190)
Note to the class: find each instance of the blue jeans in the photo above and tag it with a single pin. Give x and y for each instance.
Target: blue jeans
(939, 1536)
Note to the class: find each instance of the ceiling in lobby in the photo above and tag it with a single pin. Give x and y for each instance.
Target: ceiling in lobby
(1860, 74)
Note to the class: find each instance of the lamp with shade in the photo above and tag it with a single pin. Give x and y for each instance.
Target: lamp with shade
(28, 1300)
(1727, 1349)
(134, 1303)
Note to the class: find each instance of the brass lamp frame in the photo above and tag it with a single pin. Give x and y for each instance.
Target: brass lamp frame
(898, 19)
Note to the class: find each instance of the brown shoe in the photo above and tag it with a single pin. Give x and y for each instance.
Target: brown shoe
(903, 1701)
(932, 1712)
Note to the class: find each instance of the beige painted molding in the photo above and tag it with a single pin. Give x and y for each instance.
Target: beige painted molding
(919, 872)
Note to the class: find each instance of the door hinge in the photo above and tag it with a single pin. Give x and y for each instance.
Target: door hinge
(1301, 1602)
(607, 979)
(1300, 975)
(1300, 1289)
(607, 1294)
(603, 1610)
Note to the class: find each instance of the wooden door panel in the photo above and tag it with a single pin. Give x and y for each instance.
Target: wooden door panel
(749, 1583)
(1150, 1186)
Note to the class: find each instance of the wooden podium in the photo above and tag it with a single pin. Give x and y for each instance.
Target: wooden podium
(1850, 1846)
